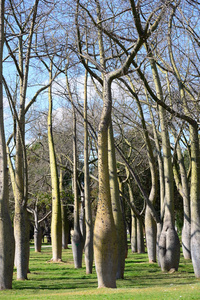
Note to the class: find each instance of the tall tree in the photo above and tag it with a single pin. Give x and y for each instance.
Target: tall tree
(105, 230)
(21, 224)
(77, 238)
(6, 230)
(56, 221)
(88, 212)
(116, 207)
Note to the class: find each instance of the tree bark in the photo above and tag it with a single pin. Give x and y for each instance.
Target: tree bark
(140, 236)
(195, 200)
(77, 238)
(56, 221)
(116, 209)
(169, 245)
(89, 252)
(105, 236)
(6, 230)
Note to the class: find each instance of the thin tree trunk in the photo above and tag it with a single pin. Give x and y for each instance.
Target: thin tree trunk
(140, 236)
(133, 223)
(89, 252)
(77, 239)
(64, 216)
(56, 222)
(82, 216)
(65, 226)
(6, 230)
(150, 224)
(37, 232)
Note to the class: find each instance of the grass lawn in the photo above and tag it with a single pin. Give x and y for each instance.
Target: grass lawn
(49, 280)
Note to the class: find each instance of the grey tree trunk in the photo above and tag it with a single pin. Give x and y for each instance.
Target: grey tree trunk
(140, 236)
(65, 226)
(37, 232)
(38, 238)
(64, 215)
(82, 217)
(195, 200)
(89, 252)
(183, 189)
(150, 224)
(6, 230)
(169, 247)
(133, 232)
(77, 239)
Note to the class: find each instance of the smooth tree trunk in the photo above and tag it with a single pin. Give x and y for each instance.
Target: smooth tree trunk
(161, 178)
(6, 230)
(21, 222)
(183, 188)
(65, 226)
(64, 215)
(105, 235)
(186, 231)
(77, 238)
(37, 232)
(38, 238)
(169, 245)
(116, 207)
(133, 232)
(133, 221)
(56, 221)
(89, 252)
(150, 224)
(82, 216)
(140, 236)
(195, 200)
(122, 206)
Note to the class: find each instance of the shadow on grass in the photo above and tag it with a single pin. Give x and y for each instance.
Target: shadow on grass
(62, 276)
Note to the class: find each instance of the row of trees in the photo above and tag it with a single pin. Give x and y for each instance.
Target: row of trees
(126, 74)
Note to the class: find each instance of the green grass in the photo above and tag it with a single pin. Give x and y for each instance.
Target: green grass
(49, 280)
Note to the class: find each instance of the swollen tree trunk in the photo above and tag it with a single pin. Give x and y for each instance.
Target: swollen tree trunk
(89, 253)
(105, 236)
(77, 239)
(115, 200)
(6, 230)
(169, 245)
(186, 232)
(161, 179)
(183, 189)
(56, 221)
